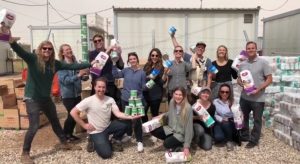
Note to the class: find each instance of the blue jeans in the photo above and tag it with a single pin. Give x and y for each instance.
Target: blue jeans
(224, 131)
(102, 144)
(257, 108)
(138, 131)
(33, 108)
(70, 123)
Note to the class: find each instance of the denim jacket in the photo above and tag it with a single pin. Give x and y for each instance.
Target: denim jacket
(70, 84)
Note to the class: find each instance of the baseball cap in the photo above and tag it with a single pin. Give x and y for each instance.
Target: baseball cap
(205, 89)
(200, 43)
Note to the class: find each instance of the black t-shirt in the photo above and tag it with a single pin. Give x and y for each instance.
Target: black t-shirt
(225, 73)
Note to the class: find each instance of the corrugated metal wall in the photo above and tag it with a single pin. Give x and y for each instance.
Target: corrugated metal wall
(135, 30)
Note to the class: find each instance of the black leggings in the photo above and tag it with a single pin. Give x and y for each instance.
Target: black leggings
(170, 142)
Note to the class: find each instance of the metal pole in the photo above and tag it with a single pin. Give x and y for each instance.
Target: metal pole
(47, 12)
(107, 37)
(153, 38)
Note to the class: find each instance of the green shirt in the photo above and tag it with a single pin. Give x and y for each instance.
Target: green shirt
(38, 84)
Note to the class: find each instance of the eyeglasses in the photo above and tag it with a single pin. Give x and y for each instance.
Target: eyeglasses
(47, 48)
(223, 92)
(98, 41)
(154, 55)
(178, 50)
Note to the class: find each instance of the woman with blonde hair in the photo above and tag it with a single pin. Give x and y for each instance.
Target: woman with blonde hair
(179, 129)
(225, 72)
(70, 88)
(41, 69)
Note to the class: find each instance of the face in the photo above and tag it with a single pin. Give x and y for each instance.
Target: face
(224, 93)
(178, 96)
(132, 61)
(98, 42)
(204, 95)
(222, 52)
(251, 50)
(178, 52)
(47, 51)
(200, 50)
(154, 57)
(100, 88)
(67, 52)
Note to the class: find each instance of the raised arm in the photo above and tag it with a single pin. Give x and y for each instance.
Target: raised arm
(75, 66)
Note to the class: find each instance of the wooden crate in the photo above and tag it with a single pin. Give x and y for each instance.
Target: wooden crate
(3, 90)
(13, 83)
(7, 101)
(22, 108)
(164, 107)
(9, 118)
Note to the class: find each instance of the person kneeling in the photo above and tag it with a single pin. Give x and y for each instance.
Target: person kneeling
(99, 108)
(178, 132)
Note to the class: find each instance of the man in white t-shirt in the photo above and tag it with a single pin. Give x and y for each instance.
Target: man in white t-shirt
(99, 108)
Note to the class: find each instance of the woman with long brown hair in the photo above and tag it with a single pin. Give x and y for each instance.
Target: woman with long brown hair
(178, 132)
(41, 69)
(153, 96)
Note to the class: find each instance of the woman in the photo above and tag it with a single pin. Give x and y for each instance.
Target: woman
(224, 127)
(203, 135)
(178, 132)
(225, 72)
(70, 88)
(153, 96)
(176, 74)
(134, 79)
(41, 69)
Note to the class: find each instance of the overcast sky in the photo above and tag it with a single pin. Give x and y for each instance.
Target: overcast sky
(36, 15)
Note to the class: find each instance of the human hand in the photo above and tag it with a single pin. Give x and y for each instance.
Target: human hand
(186, 152)
(254, 92)
(94, 62)
(89, 127)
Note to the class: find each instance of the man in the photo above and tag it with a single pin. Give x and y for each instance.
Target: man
(198, 74)
(176, 74)
(107, 69)
(106, 72)
(99, 108)
(254, 101)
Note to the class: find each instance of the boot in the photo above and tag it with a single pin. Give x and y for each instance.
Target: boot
(26, 159)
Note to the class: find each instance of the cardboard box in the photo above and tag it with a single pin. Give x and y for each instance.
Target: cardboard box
(13, 83)
(164, 107)
(78, 128)
(20, 92)
(3, 90)
(85, 93)
(7, 101)
(10, 118)
(24, 121)
(22, 108)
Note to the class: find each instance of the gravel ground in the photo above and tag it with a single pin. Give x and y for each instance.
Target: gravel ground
(270, 150)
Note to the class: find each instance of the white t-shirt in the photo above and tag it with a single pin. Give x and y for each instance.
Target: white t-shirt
(98, 111)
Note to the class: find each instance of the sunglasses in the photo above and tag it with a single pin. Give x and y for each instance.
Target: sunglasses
(47, 48)
(178, 50)
(154, 55)
(97, 41)
(223, 92)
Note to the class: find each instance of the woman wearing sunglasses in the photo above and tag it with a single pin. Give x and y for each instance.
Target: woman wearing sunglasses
(224, 127)
(41, 69)
(225, 72)
(153, 96)
(134, 79)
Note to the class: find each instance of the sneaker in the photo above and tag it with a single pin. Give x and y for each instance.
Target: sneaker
(125, 138)
(117, 146)
(250, 145)
(72, 138)
(140, 147)
(26, 159)
(229, 146)
(68, 146)
(90, 146)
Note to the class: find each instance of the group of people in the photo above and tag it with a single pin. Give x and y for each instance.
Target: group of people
(182, 127)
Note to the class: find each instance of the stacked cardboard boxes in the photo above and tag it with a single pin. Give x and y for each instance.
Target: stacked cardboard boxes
(13, 114)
